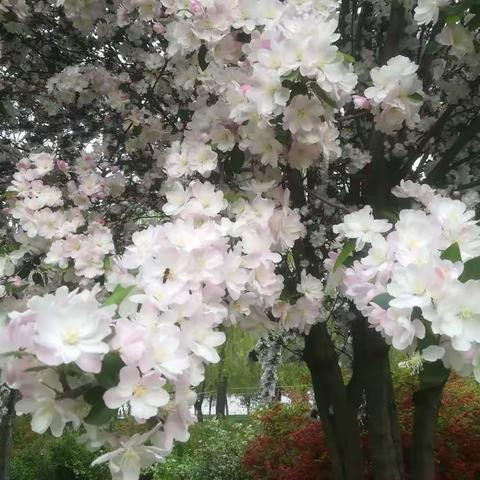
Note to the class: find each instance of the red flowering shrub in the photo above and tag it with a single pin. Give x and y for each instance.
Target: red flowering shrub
(292, 446)
(299, 454)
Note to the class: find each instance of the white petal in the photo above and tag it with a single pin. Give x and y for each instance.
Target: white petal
(433, 353)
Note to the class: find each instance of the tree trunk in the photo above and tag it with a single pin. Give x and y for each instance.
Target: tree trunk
(373, 376)
(338, 415)
(210, 401)
(427, 404)
(199, 402)
(6, 428)
(221, 400)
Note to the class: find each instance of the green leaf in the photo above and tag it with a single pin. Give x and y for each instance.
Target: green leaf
(452, 253)
(347, 57)
(118, 295)
(99, 413)
(109, 376)
(37, 369)
(452, 19)
(7, 248)
(474, 23)
(237, 159)
(15, 353)
(433, 374)
(458, 8)
(322, 94)
(471, 270)
(7, 195)
(202, 56)
(382, 300)
(344, 254)
(283, 136)
(390, 214)
(137, 130)
(429, 339)
(290, 260)
(352, 258)
(231, 197)
(433, 48)
(107, 263)
(297, 88)
(416, 97)
(292, 76)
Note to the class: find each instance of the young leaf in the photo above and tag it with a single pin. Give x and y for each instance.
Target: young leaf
(292, 76)
(416, 97)
(202, 56)
(111, 366)
(118, 295)
(347, 57)
(471, 270)
(344, 254)
(452, 253)
(99, 413)
(453, 19)
(237, 159)
(382, 300)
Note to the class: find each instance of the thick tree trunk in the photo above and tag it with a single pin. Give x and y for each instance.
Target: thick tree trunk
(338, 415)
(6, 427)
(427, 404)
(373, 376)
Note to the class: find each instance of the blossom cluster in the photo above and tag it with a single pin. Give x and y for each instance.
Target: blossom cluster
(219, 114)
(213, 263)
(396, 95)
(45, 210)
(415, 280)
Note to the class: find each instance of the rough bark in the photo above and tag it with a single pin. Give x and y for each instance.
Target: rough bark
(338, 415)
(373, 376)
(6, 427)
(427, 404)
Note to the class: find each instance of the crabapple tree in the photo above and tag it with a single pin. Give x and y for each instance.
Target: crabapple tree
(302, 169)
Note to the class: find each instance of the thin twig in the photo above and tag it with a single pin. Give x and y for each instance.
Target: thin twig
(330, 202)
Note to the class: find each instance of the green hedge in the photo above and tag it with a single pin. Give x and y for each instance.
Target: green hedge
(43, 457)
(214, 452)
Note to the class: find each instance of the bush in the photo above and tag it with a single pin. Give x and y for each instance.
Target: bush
(214, 452)
(291, 446)
(43, 457)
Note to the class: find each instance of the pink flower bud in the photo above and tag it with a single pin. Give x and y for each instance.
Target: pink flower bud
(158, 28)
(62, 166)
(16, 281)
(361, 102)
(266, 44)
(246, 88)
(204, 137)
(196, 7)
